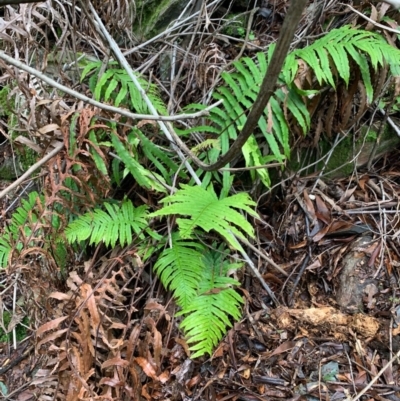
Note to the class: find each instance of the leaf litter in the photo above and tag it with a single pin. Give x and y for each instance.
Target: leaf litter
(109, 331)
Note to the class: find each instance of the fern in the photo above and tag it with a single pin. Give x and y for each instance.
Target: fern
(160, 159)
(116, 86)
(198, 279)
(209, 314)
(209, 213)
(144, 177)
(239, 89)
(180, 269)
(333, 50)
(9, 240)
(116, 224)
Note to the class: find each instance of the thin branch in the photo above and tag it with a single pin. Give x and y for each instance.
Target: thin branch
(113, 109)
(379, 374)
(31, 170)
(386, 28)
(254, 270)
(264, 256)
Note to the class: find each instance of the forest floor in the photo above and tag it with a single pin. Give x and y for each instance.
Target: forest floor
(333, 333)
(328, 249)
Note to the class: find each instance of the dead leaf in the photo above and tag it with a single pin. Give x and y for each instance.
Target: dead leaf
(50, 325)
(115, 362)
(286, 346)
(322, 212)
(148, 369)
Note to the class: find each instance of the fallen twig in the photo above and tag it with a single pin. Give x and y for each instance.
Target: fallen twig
(31, 170)
(107, 107)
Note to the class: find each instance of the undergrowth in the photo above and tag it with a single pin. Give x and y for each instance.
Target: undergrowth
(196, 257)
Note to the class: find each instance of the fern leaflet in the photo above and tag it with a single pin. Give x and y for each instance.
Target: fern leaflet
(180, 269)
(114, 84)
(9, 241)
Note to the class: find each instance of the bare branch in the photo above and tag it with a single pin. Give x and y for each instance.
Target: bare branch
(31, 170)
(80, 96)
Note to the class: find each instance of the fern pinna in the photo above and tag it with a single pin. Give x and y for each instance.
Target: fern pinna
(197, 276)
(329, 58)
(116, 224)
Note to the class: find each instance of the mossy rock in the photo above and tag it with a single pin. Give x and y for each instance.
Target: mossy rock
(348, 154)
(155, 15)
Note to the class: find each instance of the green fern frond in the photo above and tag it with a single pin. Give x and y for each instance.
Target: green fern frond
(144, 177)
(25, 213)
(330, 59)
(209, 213)
(208, 319)
(161, 160)
(98, 156)
(180, 269)
(5, 249)
(368, 49)
(117, 224)
(209, 314)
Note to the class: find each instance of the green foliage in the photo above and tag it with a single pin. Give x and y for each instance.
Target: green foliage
(139, 151)
(144, 177)
(180, 269)
(329, 57)
(115, 85)
(60, 254)
(10, 239)
(209, 213)
(116, 224)
(209, 314)
(5, 109)
(198, 276)
(334, 52)
(161, 160)
(198, 279)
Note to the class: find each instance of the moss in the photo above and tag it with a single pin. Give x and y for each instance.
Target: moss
(155, 15)
(342, 161)
(235, 25)
(20, 329)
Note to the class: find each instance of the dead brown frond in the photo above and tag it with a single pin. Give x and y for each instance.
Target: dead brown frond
(94, 342)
